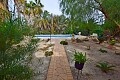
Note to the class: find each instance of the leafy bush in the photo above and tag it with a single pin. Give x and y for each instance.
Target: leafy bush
(80, 57)
(14, 63)
(34, 41)
(104, 66)
(98, 31)
(12, 32)
(14, 60)
(64, 42)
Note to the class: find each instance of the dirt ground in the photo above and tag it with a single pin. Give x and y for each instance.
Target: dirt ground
(90, 71)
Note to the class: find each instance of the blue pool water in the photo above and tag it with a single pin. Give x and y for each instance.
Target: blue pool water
(66, 36)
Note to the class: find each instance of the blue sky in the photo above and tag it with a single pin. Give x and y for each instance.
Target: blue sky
(51, 6)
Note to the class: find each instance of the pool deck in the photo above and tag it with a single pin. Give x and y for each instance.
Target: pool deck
(59, 68)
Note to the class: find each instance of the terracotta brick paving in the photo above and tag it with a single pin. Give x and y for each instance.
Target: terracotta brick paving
(59, 68)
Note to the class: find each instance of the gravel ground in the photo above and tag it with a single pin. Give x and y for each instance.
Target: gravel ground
(40, 62)
(90, 71)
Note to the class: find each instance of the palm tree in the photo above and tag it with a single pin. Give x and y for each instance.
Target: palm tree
(46, 15)
(54, 23)
(42, 24)
(58, 23)
(35, 8)
(62, 23)
(19, 6)
(38, 8)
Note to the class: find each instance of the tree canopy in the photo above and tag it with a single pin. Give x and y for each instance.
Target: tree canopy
(81, 9)
(84, 10)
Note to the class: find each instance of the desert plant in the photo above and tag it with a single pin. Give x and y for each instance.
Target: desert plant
(88, 47)
(64, 42)
(102, 50)
(112, 42)
(78, 40)
(48, 53)
(50, 45)
(14, 62)
(80, 60)
(12, 32)
(80, 57)
(104, 66)
(12, 67)
(34, 41)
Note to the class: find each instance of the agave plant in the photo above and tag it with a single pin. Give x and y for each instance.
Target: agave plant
(104, 66)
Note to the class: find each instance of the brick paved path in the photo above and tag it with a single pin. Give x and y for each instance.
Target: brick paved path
(59, 68)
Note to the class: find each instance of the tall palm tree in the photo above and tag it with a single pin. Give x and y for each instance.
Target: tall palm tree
(57, 23)
(42, 24)
(19, 6)
(38, 8)
(34, 8)
(46, 15)
(62, 23)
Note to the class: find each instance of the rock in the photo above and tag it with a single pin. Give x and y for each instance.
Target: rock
(117, 52)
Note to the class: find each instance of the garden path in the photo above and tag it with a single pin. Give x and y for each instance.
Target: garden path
(59, 68)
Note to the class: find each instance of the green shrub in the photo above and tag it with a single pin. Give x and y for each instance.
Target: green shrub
(14, 63)
(14, 60)
(48, 53)
(12, 32)
(64, 42)
(80, 57)
(34, 41)
(104, 66)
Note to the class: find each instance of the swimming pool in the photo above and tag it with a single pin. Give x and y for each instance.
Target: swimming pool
(65, 36)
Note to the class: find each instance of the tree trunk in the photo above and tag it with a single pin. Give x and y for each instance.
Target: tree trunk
(4, 4)
(17, 7)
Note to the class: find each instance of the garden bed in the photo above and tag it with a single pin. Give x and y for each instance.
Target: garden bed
(40, 62)
(90, 71)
